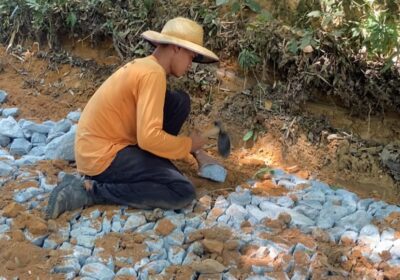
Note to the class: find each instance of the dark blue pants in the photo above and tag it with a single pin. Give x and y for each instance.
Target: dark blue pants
(141, 179)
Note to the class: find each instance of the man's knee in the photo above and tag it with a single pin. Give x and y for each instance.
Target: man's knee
(187, 194)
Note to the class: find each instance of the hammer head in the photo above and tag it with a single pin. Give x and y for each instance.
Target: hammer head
(224, 142)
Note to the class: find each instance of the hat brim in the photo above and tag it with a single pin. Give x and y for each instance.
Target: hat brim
(203, 55)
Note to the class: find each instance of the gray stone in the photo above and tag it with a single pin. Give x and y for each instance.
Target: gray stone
(369, 235)
(38, 139)
(68, 265)
(10, 112)
(178, 220)
(175, 238)
(287, 184)
(221, 202)
(27, 194)
(38, 240)
(363, 204)
(62, 147)
(127, 271)
(388, 234)
(30, 127)
(236, 212)
(316, 195)
(176, 255)
(272, 210)
(355, 221)
(190, 258)
(4, 141)
(62, 126)
(331, 214)
(154, 245)
(395, 250)
(285, 201)
(318, 185)
(214, 172)
(6, 169)
(86, 241)
(74, 116)
(381, 214)
(242, 198)
(145, 228)
(193, 222)
(4, 228)
(311, 213)
(28, 160)
(10, 128)
(384, 245)
(38, 151)
(49, 244)
(335, 233)
(3, 96)
(20, 147)
(256, 213)
(375, 206)
(106, 225)
(299, 219)
(134, 221)
(83, 231)
(349, 235)
(81, 253)
(98, 271)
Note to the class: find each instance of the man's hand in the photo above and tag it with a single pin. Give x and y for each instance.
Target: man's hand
(197, 141)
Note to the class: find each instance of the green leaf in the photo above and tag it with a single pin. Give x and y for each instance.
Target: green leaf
(265, 16)
(262, 171)
(248, 135)
(221, 2)
(235, 7)
(253, 5)
(71, 20)
(315, 14)
(293, 46)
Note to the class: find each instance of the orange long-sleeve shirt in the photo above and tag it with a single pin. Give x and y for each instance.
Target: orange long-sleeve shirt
(126, 110)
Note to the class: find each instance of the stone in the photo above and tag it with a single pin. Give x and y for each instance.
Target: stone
(10, 112)
(355, 221)
(242, 198)
(10, 128)
(38, 139)
(208, 266)
(62, 147)
(214, 172)
(134, 221)
(27, 194)
(20, 147)
(74, 116)
(4, 141)
(30, 127)
(98, 271)
(3, 96)
(68, 265)
(127, 271)
(6, 169)
(369, 235)
(176, 255)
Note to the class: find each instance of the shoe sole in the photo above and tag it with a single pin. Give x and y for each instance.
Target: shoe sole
(52, 201)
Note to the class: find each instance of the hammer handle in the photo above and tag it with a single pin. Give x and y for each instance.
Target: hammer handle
(211, 132)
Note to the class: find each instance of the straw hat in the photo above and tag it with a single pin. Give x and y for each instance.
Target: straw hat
(184, 33)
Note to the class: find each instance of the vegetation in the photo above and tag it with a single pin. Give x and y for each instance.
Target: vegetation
(346, 50)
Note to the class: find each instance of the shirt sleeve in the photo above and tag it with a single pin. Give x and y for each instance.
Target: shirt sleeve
(150, 113)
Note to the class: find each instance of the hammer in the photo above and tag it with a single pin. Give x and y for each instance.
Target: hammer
(224, 142)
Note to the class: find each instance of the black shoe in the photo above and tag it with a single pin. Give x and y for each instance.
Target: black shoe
(68, 195)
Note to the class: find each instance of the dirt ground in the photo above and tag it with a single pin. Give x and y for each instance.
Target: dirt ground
(44, 87)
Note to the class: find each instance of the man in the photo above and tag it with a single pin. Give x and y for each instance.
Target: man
(128, 131)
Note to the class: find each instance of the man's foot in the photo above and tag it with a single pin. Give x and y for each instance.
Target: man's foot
(68, 195)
